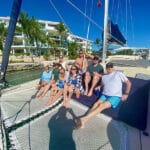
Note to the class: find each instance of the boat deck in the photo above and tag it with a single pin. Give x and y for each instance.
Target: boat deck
(32, 125)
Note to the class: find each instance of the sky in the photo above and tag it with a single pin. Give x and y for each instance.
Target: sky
(130, 15)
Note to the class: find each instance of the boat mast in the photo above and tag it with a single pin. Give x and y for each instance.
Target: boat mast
(105, 30)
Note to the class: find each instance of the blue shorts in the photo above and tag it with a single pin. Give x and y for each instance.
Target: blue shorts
(114, 100)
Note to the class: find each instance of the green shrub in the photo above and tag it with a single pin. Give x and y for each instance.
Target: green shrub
(46, 56)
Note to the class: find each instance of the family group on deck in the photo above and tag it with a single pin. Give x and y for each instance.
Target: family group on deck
(83, 77)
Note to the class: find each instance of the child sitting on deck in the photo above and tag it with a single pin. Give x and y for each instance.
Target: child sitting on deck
(57, 88)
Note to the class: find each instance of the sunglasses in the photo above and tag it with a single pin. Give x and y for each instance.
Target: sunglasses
(73, 69)
(61, 72)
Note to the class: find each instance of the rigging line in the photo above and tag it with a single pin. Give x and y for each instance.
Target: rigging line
(79, 10)
(85, 6)
(57, 11)
(122, 16)
(117, 16)
(85, 13)
(60, 16)
(112, 10)
(126, 17)
(131, 19)
(88, 29)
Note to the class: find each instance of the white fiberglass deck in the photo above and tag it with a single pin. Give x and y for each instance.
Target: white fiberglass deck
(53, 130)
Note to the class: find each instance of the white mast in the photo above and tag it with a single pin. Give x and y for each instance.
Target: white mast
(105, 30)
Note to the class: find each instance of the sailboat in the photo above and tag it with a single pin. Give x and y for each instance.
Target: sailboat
(53, 126)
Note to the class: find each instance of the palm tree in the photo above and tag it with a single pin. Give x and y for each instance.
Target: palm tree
(32, 31)
(52, 44)
(72, 50)
(2, 35)
(98, 43)
(37, 35)
(62, 31)
(24, 21)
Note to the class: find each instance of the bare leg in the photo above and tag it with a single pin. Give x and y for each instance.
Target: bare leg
(54, 97)
(87, 81)
(38, 87)
(46, 88)
(93, 113)
(95, 106)
(94, 82)
(77, 93)
(70, 90)
(57, 95)
(53, 92)
(65, 94)
(40, 92)
(68, 99)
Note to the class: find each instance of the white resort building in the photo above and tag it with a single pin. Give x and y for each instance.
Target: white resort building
(20, 46)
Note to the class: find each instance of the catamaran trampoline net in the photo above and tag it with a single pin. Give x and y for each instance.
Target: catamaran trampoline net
(29, 124)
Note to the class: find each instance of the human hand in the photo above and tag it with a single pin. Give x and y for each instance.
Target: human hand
(124, 97)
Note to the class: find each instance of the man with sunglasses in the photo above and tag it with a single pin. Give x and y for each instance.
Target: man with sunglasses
(93, 75)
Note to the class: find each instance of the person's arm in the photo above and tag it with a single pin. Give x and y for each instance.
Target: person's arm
(52, 76)
(85, 64)
(127, 91)
(89, 56)
(98, 74)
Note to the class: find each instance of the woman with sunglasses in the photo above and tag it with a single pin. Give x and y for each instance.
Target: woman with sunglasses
(57, 88)
(74, 85)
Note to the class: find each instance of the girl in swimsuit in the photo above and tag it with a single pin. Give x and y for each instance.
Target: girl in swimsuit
(57, 88)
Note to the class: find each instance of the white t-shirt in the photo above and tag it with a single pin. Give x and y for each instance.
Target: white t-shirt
(113, 83)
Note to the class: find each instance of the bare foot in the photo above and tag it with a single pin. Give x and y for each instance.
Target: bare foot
(48, 103)
(79, 124)
(77, 95)
(90, 93)
(40, 96)
(86, 92)
(38, 87)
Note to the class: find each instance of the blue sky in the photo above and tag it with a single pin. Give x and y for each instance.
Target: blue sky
(133, 20)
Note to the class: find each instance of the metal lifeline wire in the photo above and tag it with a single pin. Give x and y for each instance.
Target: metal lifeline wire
(28, 119)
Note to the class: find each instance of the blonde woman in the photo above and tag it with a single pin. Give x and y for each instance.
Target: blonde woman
(45, 78)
